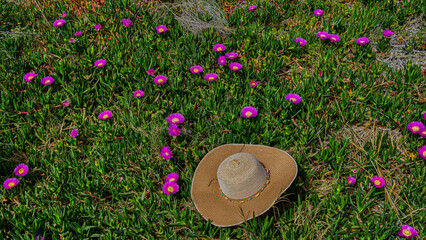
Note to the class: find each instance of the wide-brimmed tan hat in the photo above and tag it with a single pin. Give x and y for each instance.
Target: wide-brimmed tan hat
(234, 181)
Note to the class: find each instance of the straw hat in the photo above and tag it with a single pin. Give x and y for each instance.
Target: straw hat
(234, 181)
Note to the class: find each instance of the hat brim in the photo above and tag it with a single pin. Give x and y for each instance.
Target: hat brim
(207, 196)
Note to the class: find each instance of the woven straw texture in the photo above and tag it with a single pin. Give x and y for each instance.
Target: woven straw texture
(206, 193)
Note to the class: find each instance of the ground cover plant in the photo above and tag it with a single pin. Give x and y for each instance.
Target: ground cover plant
(107, 107)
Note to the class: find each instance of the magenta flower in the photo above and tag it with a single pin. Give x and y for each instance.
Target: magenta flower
(301, 41)
(318, 12)
(175, 118)
(126, 22)
(174, 131)
(29, 76)
(422, 152)
(160, 79)
(221, 60)
(78, 33)
(166, 153)
(334, 38)
(72, 40)
(424, 115)
(423, 133)
(170, 187)
(150, 71)
(196, 69)
(66, 103)
(293, 98)
(138, 93)
(362, 41)
(39, 238)
(59, 22)
(249, 112)
(351, 180)
(21, 170)
(415, 127)
(378, 182)
(407, 232)
(98, 27)
(253, 84)
(47, 80)
(235, 66)
(64, 14)
(161, 28)
(323, 35)
(74, 133)
(211, 76)
(172, 177)
(105, 115)
(231, 55)
(10, 183)
(219, 47)
(251, 8)
(100, 63)
(387, 33)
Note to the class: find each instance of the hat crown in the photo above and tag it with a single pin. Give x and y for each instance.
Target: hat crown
(241, 175)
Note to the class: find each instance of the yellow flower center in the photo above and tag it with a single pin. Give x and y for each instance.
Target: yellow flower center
(361, 41)
(293, 99)
(424, 154)
(322, 35)
(334, 39)
(160, 30)
(248, 114)
(195, 70)
(235, 67)
(377, 182)
(211, 78)
(59, 23)
(406, 232)
(219, 49)
(415, 128)
(47, 81)
(170, 189)
(11, 184)
(160, 80)
(172, 180)
(175, 120)
(21, 170)
(350, 181)
(167, 154)
(30, 77)
(99, 64)
(138, 94)
(105, 116)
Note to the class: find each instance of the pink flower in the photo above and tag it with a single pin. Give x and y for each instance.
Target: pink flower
(10, 183)
(29, 76)
(21, 170)
(126, 22)
(407, 232)
(422, 152)
(74, 133)
(301, 41)
(166, 153)
(98, 27)
(323, 35)
(351, 180)
(170, 187)
(150, 71)
(175, 118)
(78, 33)
(378, 182)
(253, 84)
(293, 98)
(160, 79)
(387, 33)
(219, 47)
(172, 177)
(64, 14)
(415, 127)
(196, 69)
(210, 76)
(138, 93)
(100, 63)
(66, 103)
(249, 112)
(59, 22)
(72, 40)
(47, 80)
(174, 131)
(235, 66)
(334, 38)
(221, 60)
(251, 8)
(362, 41)
(105, 115)
(161, 28)
(318, 12)
(231, 55)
